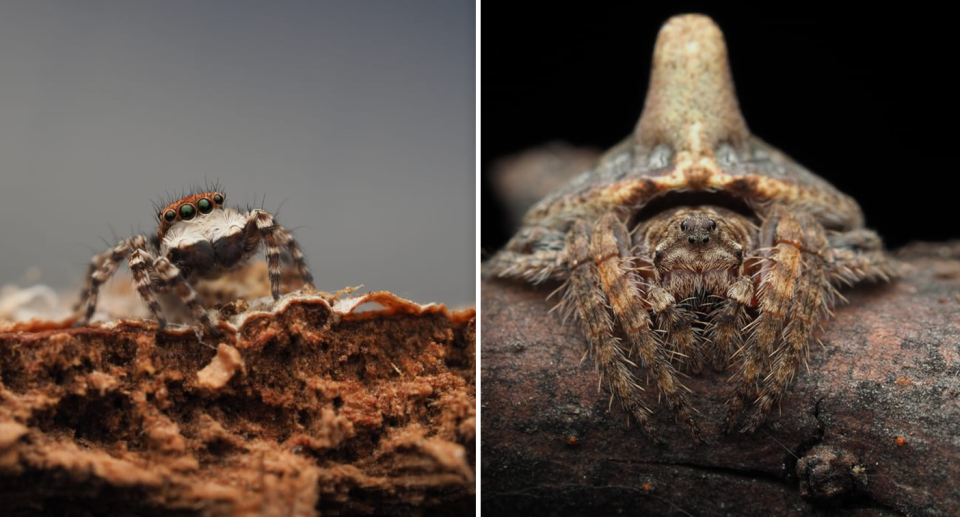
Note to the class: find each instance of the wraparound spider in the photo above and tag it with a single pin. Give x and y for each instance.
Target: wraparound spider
(197, 238)
(735, 253)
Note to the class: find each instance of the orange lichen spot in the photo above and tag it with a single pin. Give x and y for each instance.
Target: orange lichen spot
(901, 441)
(572, 440)
(647, 487)
(903, 381)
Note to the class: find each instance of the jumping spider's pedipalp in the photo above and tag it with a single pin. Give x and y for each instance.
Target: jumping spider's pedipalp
(197, 238)
(693, 243)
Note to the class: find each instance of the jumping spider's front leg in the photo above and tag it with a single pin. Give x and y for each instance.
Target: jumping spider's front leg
(260, 227)
(145, 267)
(102, 267)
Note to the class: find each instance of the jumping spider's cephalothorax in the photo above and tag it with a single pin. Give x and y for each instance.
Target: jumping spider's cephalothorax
(735, 252)
(197, 238)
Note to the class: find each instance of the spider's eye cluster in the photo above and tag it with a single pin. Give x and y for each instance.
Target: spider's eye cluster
(205, 206)
(187, 212)
(706, 224)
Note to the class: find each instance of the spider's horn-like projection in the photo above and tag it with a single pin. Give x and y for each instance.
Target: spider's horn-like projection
(691, 104)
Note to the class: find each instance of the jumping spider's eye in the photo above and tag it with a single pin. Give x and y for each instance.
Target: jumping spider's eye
(169, 216)
(187, 212)
(708, 225)
(218, 199)
(687, 225)
(205, 206)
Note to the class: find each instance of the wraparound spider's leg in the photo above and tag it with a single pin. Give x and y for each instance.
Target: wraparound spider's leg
(727, 322)
(102, 267)
(811, 298)
(533, 267)
(610, 248)
(858, 255)
(678, 325)
(780, 240)
(585, 292)
(534, 254)
(172, 278)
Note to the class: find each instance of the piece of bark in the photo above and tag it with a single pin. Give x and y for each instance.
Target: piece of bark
(304, 406)
(872, 428)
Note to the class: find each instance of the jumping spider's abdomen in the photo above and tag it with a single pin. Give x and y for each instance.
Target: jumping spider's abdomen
(197, 237)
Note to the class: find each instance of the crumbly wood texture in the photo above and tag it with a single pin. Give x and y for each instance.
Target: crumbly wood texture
(308, 408)
(869, 428)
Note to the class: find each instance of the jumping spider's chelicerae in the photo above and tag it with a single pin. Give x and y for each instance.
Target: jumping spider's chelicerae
(735, 248)
(197, 238)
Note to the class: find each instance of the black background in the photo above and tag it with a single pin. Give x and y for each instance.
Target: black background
(864, 98)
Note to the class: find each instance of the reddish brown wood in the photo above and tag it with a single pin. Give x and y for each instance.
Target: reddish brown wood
(306, 409)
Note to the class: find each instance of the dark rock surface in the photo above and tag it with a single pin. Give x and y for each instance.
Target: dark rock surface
(872, 428)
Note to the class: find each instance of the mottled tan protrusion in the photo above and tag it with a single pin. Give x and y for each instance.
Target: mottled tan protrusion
(691, 104)
(223, 367)
(10, 432)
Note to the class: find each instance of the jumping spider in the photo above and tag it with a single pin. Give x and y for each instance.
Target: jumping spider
(735, 248)
(197, 238)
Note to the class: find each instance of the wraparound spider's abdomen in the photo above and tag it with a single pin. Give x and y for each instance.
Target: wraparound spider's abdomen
(693, 243)
(197, 237)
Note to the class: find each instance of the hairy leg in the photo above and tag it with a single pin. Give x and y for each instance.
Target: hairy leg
(780, 239)
(260, 228)
(858, 255)
(296, 256)
(533, 267)
(172, 278)
(585, 293)
(677, 322)
(141, 265)
(810, 301)
(102, 267)
(534, 254)
(727, 322)
(610, 248)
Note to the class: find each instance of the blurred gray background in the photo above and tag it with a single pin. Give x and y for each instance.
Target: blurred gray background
(357, 116)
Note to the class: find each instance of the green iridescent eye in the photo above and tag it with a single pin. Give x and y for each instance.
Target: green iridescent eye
(169, 216)
(205, 206)
(218, 199)
(187, 212)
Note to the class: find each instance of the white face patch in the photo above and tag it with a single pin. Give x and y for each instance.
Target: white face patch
(223, 223)
(205, 227)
